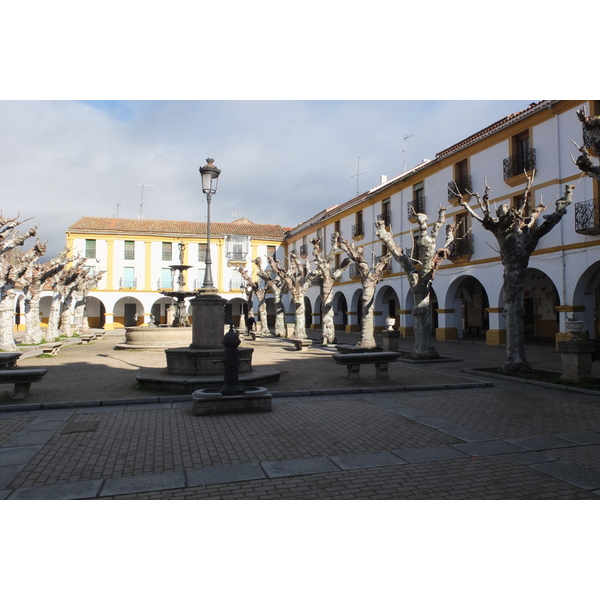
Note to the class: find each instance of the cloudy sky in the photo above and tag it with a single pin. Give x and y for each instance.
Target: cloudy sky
(281, 161)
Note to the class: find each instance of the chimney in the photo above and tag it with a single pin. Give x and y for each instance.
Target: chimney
(382, 179)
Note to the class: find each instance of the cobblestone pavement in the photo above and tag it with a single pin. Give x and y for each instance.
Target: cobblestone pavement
(500, 442)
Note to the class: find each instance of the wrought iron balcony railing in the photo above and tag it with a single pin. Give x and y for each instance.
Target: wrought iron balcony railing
(414, 207)
(386, 217)
(164, 284)
(353, 270)
(358, 229)
(460, 187)
(462, 247)
(587, 217)
(127, 283)
(517, 164)
(303, 251)
(237, 255)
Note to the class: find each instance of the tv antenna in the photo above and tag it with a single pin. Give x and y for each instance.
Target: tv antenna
(407, 136)
(234, 212)
(118, 204)
(142, 198)
(358, 173)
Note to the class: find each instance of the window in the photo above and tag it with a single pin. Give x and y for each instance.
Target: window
(166, 278)
(522, 158)
(461, 184)
(128, 280)
(129, 251)
(272, 251)
(418, 202)
(303, 248)
(358, 227)
(90, 248)
(202, 249)
(200, 281)
(91, 271)
(386, 213)
(517, 201)
(237, 281)
(462, 246)
(237, 247)
(167, 251)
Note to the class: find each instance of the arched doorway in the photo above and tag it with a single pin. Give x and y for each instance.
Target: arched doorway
(340, 311)
(541, 299)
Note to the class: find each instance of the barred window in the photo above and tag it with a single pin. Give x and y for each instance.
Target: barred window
(129, 250)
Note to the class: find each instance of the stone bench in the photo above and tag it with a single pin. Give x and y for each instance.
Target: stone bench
(8, 360)
(302, 345)
(86, 338)
(353, 362)
(22, 379)
(51, 348)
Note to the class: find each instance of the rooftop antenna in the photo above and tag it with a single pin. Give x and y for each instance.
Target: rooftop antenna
(407, 136)
(234, 212)
(358, 173)
(142, 198)
(118, 204)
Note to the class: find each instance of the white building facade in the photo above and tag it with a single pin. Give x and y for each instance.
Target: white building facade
(563, 279)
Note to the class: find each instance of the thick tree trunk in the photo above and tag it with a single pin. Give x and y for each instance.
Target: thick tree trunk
(78, 311)
(280, 329)
(54, 318)
(424, 341)
(514, 313)
(327, 322)
(33, 328)
(66, 327)
(367, 335)
(262, 310)
(299, 315)
(7, 314)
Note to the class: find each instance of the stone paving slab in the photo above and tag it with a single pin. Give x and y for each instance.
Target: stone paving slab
(540, 442)
(228, 474)
(60, 491)
(301, 466)
(143, 483)
(573, 474)
(467, 434)
(581, 439)
(368, 460)
(486, 448)
(18, 455)
(433, 453)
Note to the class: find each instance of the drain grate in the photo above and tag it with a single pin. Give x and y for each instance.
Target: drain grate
(81, 427)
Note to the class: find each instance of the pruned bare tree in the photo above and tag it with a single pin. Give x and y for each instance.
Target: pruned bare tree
(517, 234)
(33, 282)
(590, 146)
(13, 265)
(298, 277)
(276, 286)
(87, 280)
(420, 268)
(370, 276)
(327, 276)
(255, 288)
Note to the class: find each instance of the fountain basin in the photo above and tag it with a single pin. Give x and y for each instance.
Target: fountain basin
(204, 361)
(140, 338)
(210, 401)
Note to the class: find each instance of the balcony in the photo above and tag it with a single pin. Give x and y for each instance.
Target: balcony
(517, 165)
(386, 217)
(587, 217)
(236, 256)
(358, 229)
(127, 284)
(414, 207)
(303, 251)
(459, 187)
(164, 284)
(353, 271)
(461, 248)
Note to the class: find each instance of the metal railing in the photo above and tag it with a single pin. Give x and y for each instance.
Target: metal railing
(460, 186)
(386, 217)
(517, 164)
(462, 247)
(127, 283)
(358, 229)
(587, 217)
(416, 206)
(237, 255)
(303, 251)
(164, 284)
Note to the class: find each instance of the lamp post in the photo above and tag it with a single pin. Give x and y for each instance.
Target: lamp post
(210, 175)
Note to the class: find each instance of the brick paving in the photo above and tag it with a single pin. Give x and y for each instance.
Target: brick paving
(506, 441)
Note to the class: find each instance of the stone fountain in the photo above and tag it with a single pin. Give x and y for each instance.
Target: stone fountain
(178, 332)
(203, 361)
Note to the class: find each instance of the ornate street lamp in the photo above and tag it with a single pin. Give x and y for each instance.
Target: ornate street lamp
(210, 175)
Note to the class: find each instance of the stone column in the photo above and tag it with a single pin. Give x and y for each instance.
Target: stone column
(496, 334)
(445, 331)
(207, 326)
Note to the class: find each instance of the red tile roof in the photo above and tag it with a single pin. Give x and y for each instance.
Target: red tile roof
(177, 229)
